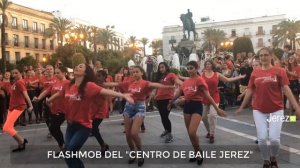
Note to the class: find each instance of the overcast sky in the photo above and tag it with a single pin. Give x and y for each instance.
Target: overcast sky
(146, 18)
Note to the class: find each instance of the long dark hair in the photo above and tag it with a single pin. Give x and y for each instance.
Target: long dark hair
(88, 77)
(103, 74)
(213, 65)
(144, 77)
(65, 71)
(159, 75)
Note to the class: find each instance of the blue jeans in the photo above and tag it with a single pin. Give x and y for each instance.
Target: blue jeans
(136, 109)
(76, 135)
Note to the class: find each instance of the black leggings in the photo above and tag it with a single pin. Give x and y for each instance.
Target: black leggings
(56, 121)
(164, 114)
(96, 132)
(3, 109)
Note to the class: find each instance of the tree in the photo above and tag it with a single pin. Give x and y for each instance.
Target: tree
(287, 30)
(26, 61)
(93, 37)
(4, 4)
(85, 31)
(242, 44)
(212, 39)
(78, 58)
(105, 36)
(144, 41)
(61, 26)
(156, 45)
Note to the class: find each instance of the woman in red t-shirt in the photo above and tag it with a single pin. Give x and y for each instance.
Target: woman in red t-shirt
(79, 94)
(293, 72)
(17, 105)
(266, 85)
(212, 79)
(194, 89)
(57, 116)
(163, 97)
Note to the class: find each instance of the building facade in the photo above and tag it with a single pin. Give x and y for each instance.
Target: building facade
(25, 33)
(260, 30)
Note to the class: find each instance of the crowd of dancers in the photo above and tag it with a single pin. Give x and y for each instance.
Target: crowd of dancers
(85, 100)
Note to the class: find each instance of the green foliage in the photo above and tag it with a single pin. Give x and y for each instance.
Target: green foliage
(242, 44)
(64, 53)
(278, 52)
(78, 58)
(9, 66)
(26, 61)
(112, 60)
(212, 39)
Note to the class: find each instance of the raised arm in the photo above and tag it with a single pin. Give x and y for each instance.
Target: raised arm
(160, 86)
(178, 81)
(182, 77)
(117, 94)
(225, 79)
(41, 96)
(110, 84)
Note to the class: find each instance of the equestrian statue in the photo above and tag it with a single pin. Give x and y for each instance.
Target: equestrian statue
(188, 25)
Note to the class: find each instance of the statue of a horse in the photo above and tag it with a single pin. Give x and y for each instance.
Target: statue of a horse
(188, 25)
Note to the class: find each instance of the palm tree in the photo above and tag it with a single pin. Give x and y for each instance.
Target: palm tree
(212, 38)
(156, 46)
(287, 31)
(61, 26)
(84, 30)
(105, 36)
(144, 41)
(93, 37)
(4, 4)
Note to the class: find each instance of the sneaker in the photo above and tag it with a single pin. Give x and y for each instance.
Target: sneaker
(207, 135)
(164, 134)
(169, 138)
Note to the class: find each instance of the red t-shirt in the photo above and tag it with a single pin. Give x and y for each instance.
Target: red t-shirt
(162, 94)
(295, 70)
(31, 79)
(45, 83)
(17, 99)
(212, 84)
(191, 88)
(78, 107)
(58, 105)
(139, 90)
(100, 107)
(7, 87)
(229, 64)
(123, 86)
(267, 86)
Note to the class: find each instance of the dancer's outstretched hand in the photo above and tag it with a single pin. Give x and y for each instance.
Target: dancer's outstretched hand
(128, 98)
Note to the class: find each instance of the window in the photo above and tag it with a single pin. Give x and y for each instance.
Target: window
(260, 31)
(25, 24)
(260, 42)
(51, 45)
(246, 32)
(26, 40)
(14, 23)
(34, 27)
(36, 43)
(27, 54)
(42, 28)
(7, 56)
(18, 56)
(37, 57)
(233, 33)
(43, 43)
(274, 29)
(16, 39)
(6, 39)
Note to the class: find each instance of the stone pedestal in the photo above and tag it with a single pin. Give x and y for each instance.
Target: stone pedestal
(185, 49)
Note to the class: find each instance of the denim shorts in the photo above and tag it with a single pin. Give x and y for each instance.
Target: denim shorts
(136, 109)
(191, 107)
